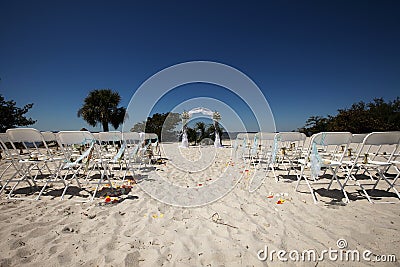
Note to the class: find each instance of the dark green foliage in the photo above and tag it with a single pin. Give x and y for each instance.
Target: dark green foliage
(205, 131)
(210, 132)
(12, 116)
(201, 127)
(163, 125)
(101, 106)
(201, 131)
(192, 135)
(315, 124)
(359, 118)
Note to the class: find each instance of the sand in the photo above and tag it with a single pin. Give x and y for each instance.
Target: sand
(231, 231)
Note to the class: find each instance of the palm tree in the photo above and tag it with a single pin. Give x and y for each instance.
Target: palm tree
(201, 126)
(211, 130)
(101, 106)
(191, 135)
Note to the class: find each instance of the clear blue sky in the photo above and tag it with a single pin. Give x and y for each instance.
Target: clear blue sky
(307, 57)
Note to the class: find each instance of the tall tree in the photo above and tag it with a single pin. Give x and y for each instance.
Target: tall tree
(361, 117)
(192, 136)
(101, 106)
(210, 131)
(162, 124)
(13, 116)
(201, 126)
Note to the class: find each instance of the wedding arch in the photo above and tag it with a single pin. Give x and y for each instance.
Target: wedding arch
(186, 115)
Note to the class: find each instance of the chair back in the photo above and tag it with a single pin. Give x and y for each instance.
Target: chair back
(75, 138)
(290, 136)
(331, 138)
(382, 138)
(25, 135)
(31, 139)
(49, 136)
(132, 137)
(358, 138)
(114, 136)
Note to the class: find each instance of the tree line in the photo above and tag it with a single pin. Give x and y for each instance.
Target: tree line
(101, 106)
(361, 117)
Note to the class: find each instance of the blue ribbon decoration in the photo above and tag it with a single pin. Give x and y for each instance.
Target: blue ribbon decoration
(315, 158)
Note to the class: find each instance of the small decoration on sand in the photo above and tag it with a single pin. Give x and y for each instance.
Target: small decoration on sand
(280, 201)
(110, 200)
(155, 216)
(114, 191)
(160, 162)
(131, 182)
(282, 197)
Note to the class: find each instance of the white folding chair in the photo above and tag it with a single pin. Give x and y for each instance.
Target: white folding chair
(82, 153)
(368, 160)
(152, 142)
(289, 146)
(248, 146)
(395, 161)
(239, 146)
(262, 148)
(242, 145)
(96, 136)
(9, 158)
(134, 151)
(262, 157)
(39, 158)
(324, 152)
(49, 137)
(352, 151)
(356, 142)
(110, 144)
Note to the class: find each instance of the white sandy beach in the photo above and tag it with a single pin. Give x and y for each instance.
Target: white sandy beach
(141, 231)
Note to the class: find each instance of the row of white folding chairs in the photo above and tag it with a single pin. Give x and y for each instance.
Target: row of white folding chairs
(261, 146)
(329, 151)
(30, 156)
(112, 140)
(79, 150)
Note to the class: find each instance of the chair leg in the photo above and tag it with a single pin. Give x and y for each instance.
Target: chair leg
(395, 178)
(311, 190)
(299, 178)
(273, 172)
(365, 192)
(342, 188)
(309, 187)
(391, 185)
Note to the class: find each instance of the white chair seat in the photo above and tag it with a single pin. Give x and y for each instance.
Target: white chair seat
(372, 163)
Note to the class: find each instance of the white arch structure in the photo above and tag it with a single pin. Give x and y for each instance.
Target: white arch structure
(207, 112)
